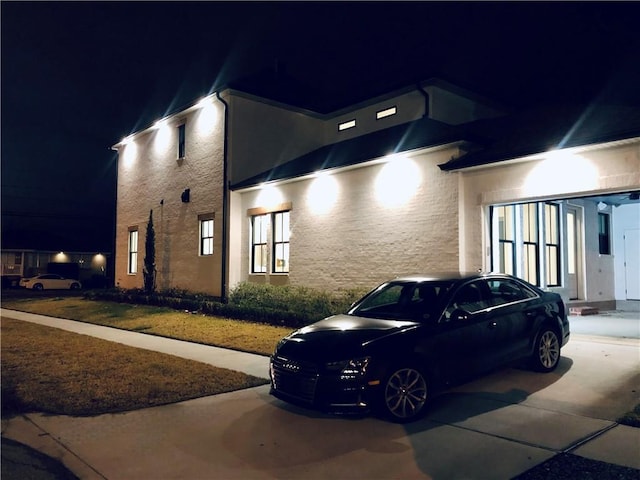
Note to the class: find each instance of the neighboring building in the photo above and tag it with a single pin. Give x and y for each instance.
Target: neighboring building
(428, 178)
(88, 267)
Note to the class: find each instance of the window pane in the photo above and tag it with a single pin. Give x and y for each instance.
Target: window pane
(571, 242)
(604, 241)
(206, 237)
(133, 252)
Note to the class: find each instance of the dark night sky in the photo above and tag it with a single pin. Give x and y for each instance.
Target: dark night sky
(78, 76)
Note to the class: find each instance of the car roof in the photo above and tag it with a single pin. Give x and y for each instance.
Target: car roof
(446, 276)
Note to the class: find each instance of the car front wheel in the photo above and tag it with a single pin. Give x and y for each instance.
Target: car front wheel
(546, 354)
(404, 394)
(38, 286)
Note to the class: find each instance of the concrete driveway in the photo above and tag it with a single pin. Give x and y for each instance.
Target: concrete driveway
(495, 427)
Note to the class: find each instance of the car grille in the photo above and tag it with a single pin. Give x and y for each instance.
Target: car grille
(294, 378)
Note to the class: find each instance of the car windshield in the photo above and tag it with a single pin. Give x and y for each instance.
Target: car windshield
(404, 300)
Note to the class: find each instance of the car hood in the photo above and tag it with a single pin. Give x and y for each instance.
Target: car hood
(339, 337)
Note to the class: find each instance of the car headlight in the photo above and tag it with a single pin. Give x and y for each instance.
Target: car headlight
(349, 369)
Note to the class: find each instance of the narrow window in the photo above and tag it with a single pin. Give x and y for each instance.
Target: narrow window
(347, 125)
(604, 240)
(552, 243)
(206, 235)
(259, 249)
(506, 238)
(530, 242)
(181, 141)
(387, 112)
(132, 267)
(281, 242)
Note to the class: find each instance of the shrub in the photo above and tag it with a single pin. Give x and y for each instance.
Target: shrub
(291, 306)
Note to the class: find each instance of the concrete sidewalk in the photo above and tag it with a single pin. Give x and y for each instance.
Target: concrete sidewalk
(496, 427)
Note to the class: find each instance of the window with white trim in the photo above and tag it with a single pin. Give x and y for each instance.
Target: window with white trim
(270, 235)
(526, 241)
(259, 245)
(280, 242)
(132, 263)
(206, 234)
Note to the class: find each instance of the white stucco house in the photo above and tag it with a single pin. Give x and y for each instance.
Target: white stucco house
(426, 178)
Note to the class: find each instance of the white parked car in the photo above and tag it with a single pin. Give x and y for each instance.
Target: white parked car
(50, 281)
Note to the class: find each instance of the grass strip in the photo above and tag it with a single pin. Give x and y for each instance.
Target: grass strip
(221, 332)
(53, 371)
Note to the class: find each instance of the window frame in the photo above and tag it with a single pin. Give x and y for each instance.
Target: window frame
(182, 141)
(261, 242)
(604, 233)
(281, 238)
(132, 251)
(206, 248)
(552, 244)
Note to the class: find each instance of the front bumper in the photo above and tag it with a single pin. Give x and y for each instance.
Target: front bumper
(304, 383)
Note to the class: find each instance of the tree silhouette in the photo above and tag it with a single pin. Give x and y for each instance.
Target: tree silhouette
(149, 272)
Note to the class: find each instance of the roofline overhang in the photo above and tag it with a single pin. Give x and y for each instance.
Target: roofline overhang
(334, 170)
(541, 155)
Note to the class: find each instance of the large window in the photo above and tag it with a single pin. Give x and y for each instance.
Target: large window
(270, 239)
(552, 243)
(281, 242)
(505, 219)
(132, 266)
(530, 255)
(206, 235)
(259, 246)
(526, 242)
(604, 240)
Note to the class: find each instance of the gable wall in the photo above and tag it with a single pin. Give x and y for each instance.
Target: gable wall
(154, 175)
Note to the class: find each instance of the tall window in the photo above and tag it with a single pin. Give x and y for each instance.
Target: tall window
(506, 238)
(259, 247)
(530, 242)
(604, 239)
(552, 243)
(132, 266)
(281, 242)
(182, 140)
(206, 235)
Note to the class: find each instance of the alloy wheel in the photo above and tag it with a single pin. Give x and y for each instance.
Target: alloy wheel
(548, 349)
(405, 393)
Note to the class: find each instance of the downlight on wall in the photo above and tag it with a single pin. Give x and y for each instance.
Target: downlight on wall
(130, 152)
(162, 140)
(397, 182)
(207, 117)
(323, 193)
(561, 171)
(270, 196)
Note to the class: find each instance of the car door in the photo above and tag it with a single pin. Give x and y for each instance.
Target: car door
(468, 332)
(520, 306)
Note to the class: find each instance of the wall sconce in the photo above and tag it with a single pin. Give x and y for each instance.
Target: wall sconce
(186, 195)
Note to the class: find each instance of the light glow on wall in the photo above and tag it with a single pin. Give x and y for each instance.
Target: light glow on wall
(129, 152)
(162, 139)
(269, 197)
(323, 193)
(397, 182)
(61, 257)
(207, 116)
(561, 172)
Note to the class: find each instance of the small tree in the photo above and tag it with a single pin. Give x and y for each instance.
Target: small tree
(150, 257)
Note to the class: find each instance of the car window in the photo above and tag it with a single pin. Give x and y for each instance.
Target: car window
(505, 290)
(470, 297)
(48, 277)
(404, 300)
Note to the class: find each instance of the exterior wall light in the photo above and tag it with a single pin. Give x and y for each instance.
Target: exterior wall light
(559, 173)
(322, 194)
(397, 182)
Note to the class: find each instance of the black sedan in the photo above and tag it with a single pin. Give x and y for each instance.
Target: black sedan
(411, 337)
